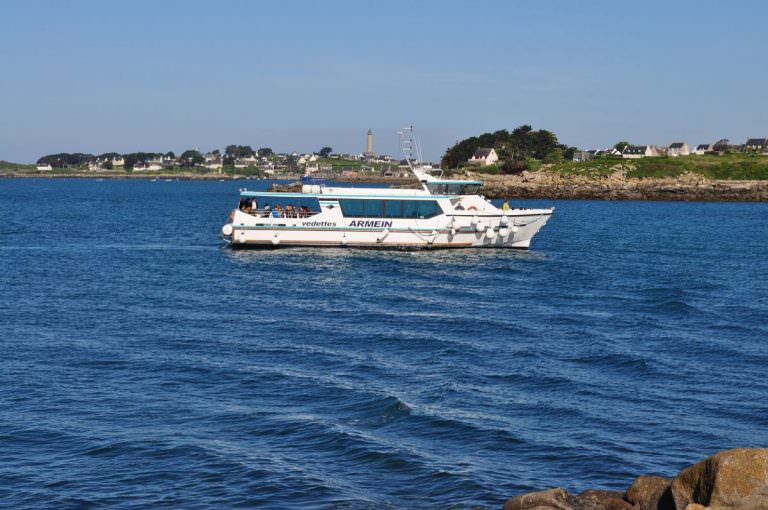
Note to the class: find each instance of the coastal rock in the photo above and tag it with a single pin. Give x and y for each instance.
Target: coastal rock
(651, 493)
(608, 500)
(730, 480)
(293, 187)
(560, 499)
(544, 500)
(734, 480)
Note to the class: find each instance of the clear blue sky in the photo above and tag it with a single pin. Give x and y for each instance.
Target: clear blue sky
(97, 76)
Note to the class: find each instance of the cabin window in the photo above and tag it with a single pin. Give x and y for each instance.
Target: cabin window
(393, 208)
(355, 208)
(453, 188)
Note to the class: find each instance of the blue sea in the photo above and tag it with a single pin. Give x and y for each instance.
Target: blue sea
(145, 365)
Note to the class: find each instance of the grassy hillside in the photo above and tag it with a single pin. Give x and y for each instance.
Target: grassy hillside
(729, 166)
(7, 165)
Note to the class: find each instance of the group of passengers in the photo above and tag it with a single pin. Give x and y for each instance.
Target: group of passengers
(251, 206)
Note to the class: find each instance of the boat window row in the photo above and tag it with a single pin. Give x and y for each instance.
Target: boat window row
(453, 188)
(359, 208)
(297, 208)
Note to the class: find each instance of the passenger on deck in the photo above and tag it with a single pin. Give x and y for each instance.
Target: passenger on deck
(303, 211)
(290, 211)
(254, 205)
(279, 212)
(267, 210)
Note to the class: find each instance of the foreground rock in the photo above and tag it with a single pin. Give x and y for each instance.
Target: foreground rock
(730, 480)
(733, 479)
(561, 500)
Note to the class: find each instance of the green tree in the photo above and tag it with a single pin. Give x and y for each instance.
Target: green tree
(325, 152)
(554, 156)
(238, 151)
(620, 146)
(519, 145)
(190, 158)
(265, 151)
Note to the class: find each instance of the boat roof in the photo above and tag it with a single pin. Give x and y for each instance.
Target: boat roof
(411, 194)
(453, 181)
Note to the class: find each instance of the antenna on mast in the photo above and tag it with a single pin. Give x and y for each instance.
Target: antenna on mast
(408, 146)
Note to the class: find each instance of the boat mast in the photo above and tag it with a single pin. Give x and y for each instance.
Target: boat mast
(408, 147)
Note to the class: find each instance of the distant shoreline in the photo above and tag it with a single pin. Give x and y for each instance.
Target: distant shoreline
(509, 187)
(190, 177)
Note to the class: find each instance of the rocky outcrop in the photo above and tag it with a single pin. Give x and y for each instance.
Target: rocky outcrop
(650, 493)
(617, 187)
(560, 499)
(731, 480)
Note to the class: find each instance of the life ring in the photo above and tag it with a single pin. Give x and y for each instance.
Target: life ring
(471, 208)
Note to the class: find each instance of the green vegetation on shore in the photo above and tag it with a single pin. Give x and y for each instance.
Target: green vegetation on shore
(725, 167)
(7, 165)
(525, 149)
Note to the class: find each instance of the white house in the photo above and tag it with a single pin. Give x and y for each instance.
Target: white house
(702, 149)
(45, 167)
(484, 157)
(118, 161)
(608, 152)
(583, 155)
(246, 161)
(678, 149)
(756, 144)
(639, 151)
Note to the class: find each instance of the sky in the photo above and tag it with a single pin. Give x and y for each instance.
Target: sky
(160, 75)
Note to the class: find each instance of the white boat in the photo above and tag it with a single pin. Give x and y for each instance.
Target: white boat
(445, 213)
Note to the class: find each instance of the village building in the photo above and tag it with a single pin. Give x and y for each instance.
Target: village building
(756, 145)
(639, 151)
(45, 168)
(213, 161)
(169, 162)
(703, 148)
(155, 164)
(118, 161)
(579, 156)
(484, 157)
(678, 149)
(608, 152)
(246, 161)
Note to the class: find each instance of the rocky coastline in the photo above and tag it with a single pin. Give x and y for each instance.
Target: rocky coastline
(689, 187)
(528, 185)
(734, 479)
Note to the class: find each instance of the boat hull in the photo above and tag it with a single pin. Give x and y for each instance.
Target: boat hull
(490, 234)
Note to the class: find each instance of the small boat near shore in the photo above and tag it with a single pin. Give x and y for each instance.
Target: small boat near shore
(445, 213)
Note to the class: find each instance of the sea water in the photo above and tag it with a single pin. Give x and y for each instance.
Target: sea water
(145, 365)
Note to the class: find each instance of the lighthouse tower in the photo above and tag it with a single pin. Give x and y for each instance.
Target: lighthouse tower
(369, 146)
